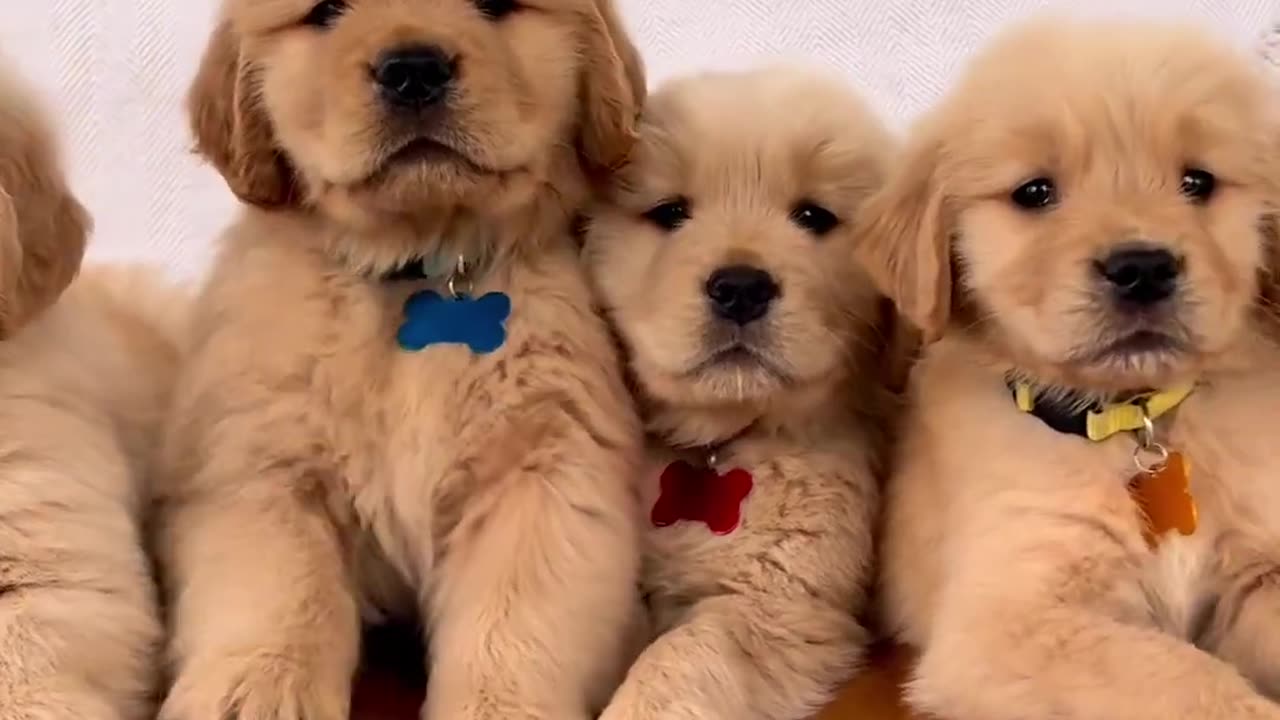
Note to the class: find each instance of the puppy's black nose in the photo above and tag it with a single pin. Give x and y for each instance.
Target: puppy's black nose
(413, 75)
(741, 293)
(1141, 274)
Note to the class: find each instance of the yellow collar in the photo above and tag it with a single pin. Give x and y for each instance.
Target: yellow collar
(1098, 421)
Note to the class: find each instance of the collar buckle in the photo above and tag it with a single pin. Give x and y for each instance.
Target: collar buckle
(1098, 421)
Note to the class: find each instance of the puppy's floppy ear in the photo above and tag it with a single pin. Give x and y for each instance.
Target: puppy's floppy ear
(43, 228)
(904, 241)
(232, 130)
(613, 89)
(899, 347)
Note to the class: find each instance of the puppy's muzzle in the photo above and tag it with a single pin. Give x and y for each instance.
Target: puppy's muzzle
(741, 294)
(1140, 276)
(414, 76)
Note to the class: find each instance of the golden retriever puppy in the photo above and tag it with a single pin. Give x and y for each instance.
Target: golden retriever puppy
(755, 344)
(1083, 520)
(84, 378)
(401, 401)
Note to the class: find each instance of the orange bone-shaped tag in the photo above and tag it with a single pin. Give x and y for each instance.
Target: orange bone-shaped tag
(1163, 495)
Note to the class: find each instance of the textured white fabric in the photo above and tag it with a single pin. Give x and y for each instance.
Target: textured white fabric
(116, 70)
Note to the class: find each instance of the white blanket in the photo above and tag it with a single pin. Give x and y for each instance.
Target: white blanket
(116, 70)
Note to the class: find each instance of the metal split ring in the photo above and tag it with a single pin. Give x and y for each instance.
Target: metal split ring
(459, 284)
(1156, 450)
(1148, 447)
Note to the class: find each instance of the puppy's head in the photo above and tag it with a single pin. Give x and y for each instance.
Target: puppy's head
(370, 109)
(721, 254)
(1091, 201)
(43, 229)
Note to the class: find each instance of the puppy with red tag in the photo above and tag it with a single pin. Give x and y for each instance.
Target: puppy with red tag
(756, 348)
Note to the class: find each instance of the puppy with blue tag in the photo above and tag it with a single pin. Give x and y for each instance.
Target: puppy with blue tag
(401, 403)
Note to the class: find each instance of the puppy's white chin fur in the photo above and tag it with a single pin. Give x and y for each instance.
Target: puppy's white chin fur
(1140, 370)
(736, 381)
(730, 391)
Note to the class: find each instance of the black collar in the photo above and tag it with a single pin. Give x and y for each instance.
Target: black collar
(1064, 412)
(413, 269)
(711, 453)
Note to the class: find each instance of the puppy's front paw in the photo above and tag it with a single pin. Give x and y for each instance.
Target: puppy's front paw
(259, 687)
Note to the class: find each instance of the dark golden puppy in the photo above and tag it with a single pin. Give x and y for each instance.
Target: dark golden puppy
(339, 453)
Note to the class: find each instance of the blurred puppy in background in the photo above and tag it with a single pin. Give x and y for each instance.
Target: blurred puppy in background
(723, 257)
(401, 402)
(1083, 520)
(84, 380)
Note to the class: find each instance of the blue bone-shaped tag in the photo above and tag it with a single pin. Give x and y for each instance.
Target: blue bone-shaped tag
(431, 319)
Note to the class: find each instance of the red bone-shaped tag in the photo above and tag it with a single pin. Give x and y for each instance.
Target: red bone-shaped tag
(700, 494)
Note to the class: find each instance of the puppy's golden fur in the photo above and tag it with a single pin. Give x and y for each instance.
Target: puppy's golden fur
(84, 377)
(317, 473)
(758, 623)
(1014, 557)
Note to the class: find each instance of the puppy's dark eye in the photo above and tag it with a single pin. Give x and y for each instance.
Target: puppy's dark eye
(1035, 194)
(669, 214)
(324, 13)
(814, 218)
(1198, 184)
(497, 9)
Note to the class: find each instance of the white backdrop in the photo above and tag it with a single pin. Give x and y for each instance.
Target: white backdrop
(117, 70)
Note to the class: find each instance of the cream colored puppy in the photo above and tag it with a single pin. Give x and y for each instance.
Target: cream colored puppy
(755, 345)
(1087, 222)
(401, 401)
(84, 377)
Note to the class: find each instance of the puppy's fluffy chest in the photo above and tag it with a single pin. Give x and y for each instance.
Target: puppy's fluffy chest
(1235, 465)
(1045, 484)
(414, 447)
(798, 497)
(455, 422)
(688, 557)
